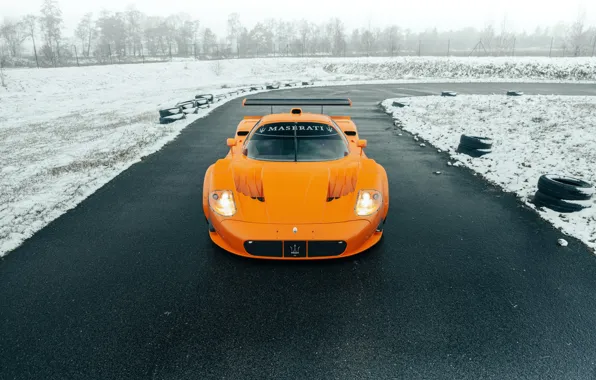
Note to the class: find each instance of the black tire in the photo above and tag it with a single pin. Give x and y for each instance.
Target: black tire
(556, 204)
(473, 152)
(565, 188)
(171, 119)
(165, 120)
(514, 93)
(170, 111)
(448, 93)
(208, 97)
(475, 142)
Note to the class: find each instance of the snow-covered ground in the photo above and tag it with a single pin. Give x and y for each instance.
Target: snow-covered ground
(65, 132)
(532, 135)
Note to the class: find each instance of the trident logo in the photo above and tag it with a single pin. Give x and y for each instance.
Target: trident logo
(294, 250)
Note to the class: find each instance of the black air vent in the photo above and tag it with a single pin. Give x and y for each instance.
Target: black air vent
(350, 133)
(270, 248)
(242, 133)
(318, 248)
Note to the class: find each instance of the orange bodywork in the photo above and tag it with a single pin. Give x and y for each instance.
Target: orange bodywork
(295, 210)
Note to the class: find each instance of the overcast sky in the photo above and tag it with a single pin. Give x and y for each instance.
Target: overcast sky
(416, 14)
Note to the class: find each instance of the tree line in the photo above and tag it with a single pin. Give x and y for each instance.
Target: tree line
(131, 35)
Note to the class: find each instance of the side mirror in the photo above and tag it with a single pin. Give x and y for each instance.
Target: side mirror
(361, 144)
(231, 142)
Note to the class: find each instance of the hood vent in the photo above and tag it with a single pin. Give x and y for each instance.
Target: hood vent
(342, 181)
(248, 182)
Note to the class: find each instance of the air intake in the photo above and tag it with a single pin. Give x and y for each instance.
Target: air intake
(296, 111)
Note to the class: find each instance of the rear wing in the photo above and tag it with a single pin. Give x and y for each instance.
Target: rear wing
(345, 102)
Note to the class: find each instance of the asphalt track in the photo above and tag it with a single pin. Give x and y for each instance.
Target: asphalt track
(466, 284)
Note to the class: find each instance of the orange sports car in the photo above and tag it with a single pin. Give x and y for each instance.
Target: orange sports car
(296, 185)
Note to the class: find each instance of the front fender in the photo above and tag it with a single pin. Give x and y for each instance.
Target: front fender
(374, 176)
(217, 177)
(206, 190)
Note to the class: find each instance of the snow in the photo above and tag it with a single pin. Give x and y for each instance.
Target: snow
(71, 130)
(531, 136)
(562, 242)
(483, 69)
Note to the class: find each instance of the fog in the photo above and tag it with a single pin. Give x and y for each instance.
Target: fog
(54, 33)
(415, 15)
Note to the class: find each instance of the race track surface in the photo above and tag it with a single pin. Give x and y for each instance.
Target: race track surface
(466, 284)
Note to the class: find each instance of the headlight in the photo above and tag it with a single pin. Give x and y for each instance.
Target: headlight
(222, 202)
(368, 202)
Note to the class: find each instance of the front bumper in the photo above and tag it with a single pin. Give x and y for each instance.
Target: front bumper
(295, 242)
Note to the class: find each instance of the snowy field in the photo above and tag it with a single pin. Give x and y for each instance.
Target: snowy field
(532, 135)
(65, 132)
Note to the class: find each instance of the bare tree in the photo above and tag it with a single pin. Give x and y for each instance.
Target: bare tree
(576, 34)
(13, 34)
(283, 34)
(321, 39)
(336, 30)
(368, 41)
(30, 25)
(182, 30)
(86, 32)
(2, 64)
(51, 26)
(209, 41)
(487, 35)
(112, 33)
(305, 32)
(261, 38)
(234, 30)
(391, 39)
(134, 31)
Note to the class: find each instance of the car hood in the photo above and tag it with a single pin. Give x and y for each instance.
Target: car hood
(296, 192)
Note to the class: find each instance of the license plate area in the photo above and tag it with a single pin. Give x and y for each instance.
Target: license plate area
(294, 248)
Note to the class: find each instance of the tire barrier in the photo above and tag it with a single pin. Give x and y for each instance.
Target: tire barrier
(169, 115)
(272, 86)
(181, 109)
(563, 194)
(209, 97)
(475, 146)
(399, 104)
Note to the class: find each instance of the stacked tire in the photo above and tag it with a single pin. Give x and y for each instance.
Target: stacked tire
(170, 115)
(563, 194)
(475, 146)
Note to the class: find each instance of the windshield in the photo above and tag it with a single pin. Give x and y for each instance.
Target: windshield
(296, 141)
